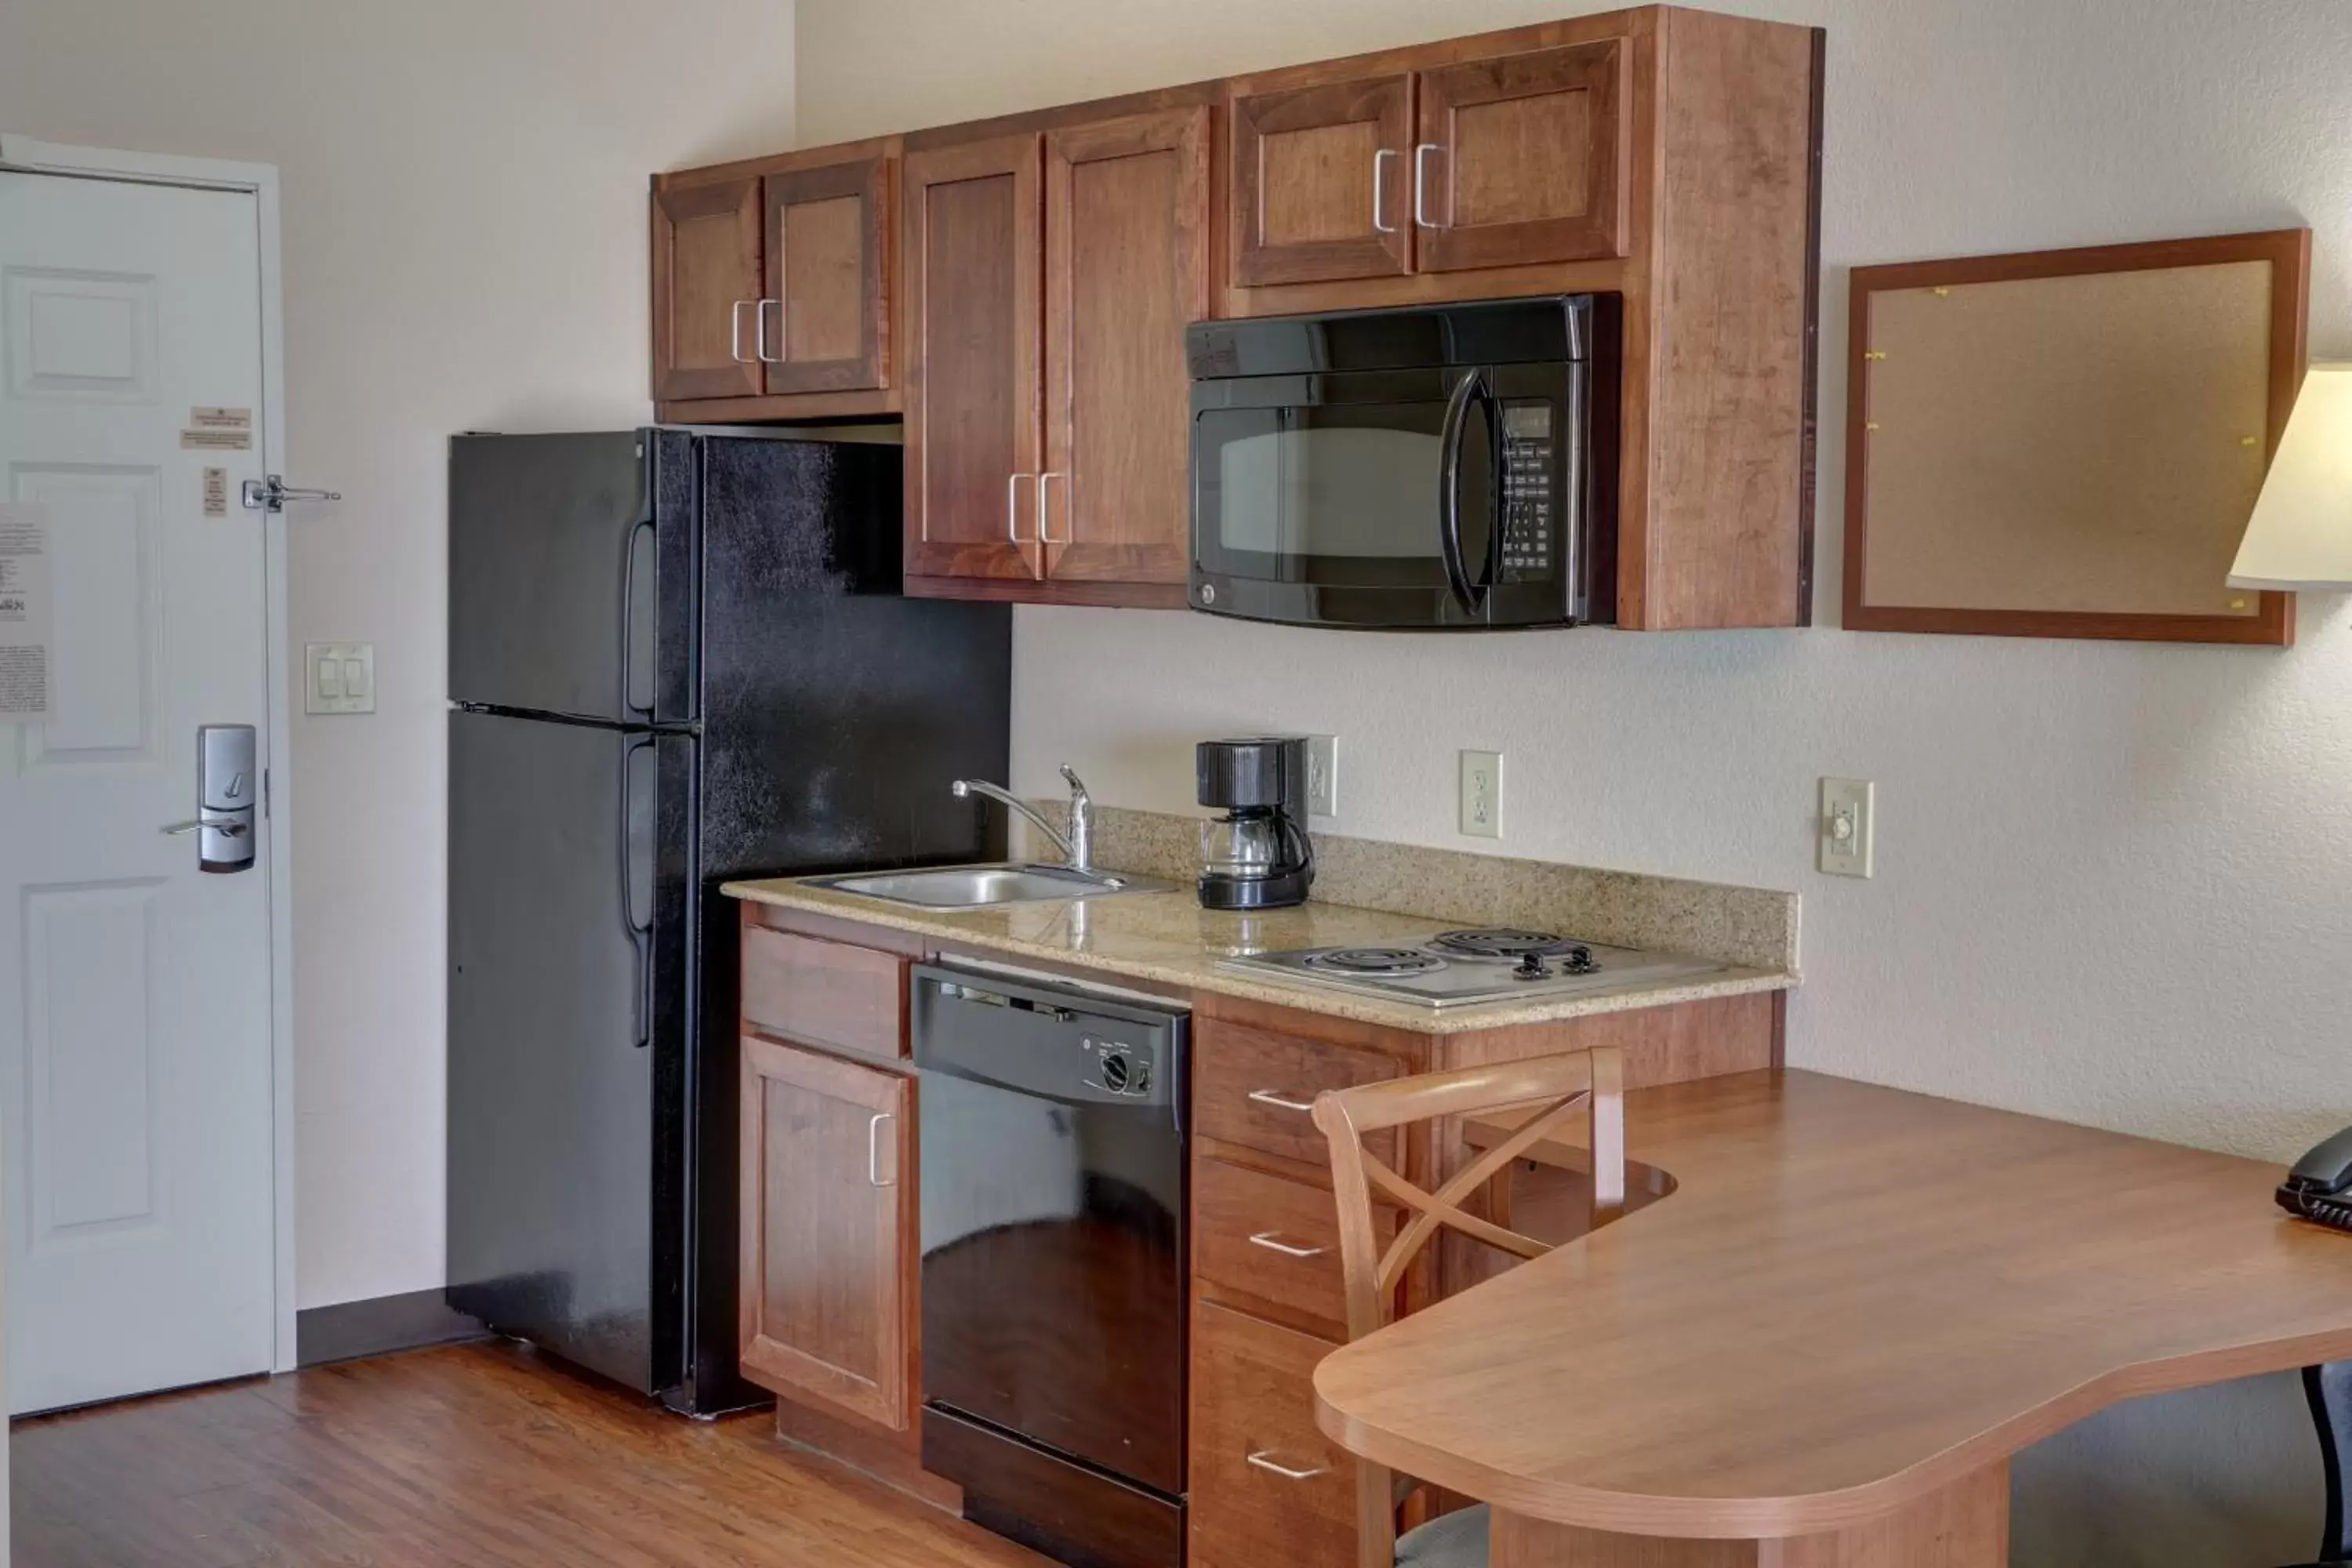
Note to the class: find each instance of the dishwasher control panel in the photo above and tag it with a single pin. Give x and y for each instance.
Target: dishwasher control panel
(1117, 1067)
(1050, 1040)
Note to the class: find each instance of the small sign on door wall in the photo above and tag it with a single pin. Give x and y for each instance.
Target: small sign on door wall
(25, 612)
(211, 429)
(215, 492)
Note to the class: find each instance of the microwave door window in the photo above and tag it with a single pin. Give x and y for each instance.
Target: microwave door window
(1338, 496)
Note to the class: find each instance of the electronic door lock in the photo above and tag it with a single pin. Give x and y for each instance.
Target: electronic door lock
(227, 792)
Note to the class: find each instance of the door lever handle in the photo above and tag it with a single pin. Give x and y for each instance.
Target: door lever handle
(226, 829)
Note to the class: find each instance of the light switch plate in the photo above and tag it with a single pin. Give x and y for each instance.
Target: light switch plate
(338, 678)
(1848, 821)
(1323, 775)
(1482, 794)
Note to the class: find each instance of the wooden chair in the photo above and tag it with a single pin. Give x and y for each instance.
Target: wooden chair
(1557, 1088)
(2328, 1387)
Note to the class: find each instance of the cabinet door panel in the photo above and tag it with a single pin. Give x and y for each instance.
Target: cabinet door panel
(975, 250)
(1518, 160)
(706, 277)
(828, 269)
(1320, 189)
(829, 1229)
(1126, 269)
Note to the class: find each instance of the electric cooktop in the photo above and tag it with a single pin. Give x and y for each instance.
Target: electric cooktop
(1459, 968)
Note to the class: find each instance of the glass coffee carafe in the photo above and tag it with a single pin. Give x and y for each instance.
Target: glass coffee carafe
(1242, 844)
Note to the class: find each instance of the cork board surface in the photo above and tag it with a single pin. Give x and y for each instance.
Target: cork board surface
(2084, 443)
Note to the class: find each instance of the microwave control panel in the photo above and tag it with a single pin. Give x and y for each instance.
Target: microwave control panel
(1530, 464)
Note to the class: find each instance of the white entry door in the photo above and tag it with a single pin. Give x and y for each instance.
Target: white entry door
(134, 988)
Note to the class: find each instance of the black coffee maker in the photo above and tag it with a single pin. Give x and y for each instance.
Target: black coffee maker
(1256, 856)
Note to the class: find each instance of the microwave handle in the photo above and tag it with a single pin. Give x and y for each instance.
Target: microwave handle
(1471, 596)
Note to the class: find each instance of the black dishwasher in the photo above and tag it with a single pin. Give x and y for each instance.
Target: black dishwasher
(1052, 1121)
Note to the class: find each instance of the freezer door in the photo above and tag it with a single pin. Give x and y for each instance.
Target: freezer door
(567, 1025)
(837, 712)
(572, 570)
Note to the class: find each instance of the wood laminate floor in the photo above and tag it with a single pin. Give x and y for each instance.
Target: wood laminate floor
(478, 1454)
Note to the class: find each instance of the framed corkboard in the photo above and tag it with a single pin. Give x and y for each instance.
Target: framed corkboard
(2068, 443)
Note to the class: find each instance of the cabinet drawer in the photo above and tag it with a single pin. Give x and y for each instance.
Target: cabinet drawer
(825, 992)
(1252, 1421)
(1267, 1236)
(1257, 1088)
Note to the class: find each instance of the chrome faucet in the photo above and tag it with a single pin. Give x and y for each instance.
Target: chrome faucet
(1077, 849)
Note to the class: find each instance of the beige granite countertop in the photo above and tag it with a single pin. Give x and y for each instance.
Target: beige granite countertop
(1169, 939)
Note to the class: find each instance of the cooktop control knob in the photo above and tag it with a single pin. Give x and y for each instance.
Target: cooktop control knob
(1531, 966)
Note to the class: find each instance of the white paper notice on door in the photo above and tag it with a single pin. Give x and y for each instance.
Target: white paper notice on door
(26, 608)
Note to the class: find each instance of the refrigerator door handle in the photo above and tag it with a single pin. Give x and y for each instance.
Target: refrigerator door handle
(629, 703)
(641, 931)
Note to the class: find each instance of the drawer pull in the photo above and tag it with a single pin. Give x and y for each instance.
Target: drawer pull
(1264, 1461)
(1272, 1241)
(874, 1150)
(1281, 1101)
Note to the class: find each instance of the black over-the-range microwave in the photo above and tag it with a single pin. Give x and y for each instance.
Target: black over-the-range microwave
(1444, 468)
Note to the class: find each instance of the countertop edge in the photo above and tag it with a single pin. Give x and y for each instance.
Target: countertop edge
(946, 926)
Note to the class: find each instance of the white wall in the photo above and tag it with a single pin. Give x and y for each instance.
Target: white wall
(2116, 882)
(464, 184)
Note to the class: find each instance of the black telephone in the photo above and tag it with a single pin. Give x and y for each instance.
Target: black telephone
(2319, 1188)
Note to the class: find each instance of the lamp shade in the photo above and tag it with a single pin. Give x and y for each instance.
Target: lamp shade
(2300, 534)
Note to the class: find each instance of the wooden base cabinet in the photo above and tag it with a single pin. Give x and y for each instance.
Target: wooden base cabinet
(830, 1224)
(1267, 1300)
(1267, 1486)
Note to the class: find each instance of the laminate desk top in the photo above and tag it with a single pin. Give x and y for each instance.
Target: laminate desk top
(1855, 1297)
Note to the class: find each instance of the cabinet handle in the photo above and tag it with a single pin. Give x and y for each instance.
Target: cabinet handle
(1046, 511)
(874, 1150)
(1264, 1461)
(1279, 1101)
(1379, 189)
(1272, 1241)
(1421, 185)
(760, 334)
(735, 331)
(1013, 508)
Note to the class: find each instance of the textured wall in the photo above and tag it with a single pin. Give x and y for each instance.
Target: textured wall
(2114, 883)
(464, 189)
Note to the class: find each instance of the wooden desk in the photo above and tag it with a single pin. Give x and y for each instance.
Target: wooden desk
(1824, 1346)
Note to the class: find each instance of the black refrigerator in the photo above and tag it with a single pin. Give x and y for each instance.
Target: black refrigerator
(675, 659)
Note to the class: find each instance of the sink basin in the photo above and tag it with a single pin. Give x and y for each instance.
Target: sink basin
(977, 886)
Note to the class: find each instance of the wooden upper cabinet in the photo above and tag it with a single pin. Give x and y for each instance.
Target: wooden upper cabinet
(830, 1232)
(1018, 289)
(1320, 186)
(826, 322)
(1126, 269)
(1519, 159)
(706, 279)
(973, 233)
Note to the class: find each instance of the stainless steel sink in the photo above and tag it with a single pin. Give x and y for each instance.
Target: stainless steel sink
(976, 886)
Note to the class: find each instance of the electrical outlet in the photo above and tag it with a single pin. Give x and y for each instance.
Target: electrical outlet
(1482, 794)
(1323, 775)
(1848, 816)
